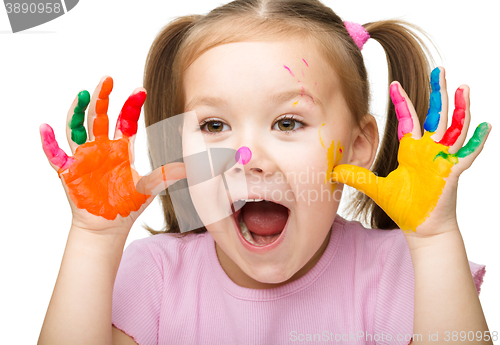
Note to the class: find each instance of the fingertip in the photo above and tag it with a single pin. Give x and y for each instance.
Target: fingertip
(84, 96)
(394, 86)
(46, 131)
(395, 92)
(436, 79)
(104, 78)
(106, 87)
(139, 89)
(138, 97)
(488, 125)
(461, 98)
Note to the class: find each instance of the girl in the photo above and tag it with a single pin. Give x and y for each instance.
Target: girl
(283, 83)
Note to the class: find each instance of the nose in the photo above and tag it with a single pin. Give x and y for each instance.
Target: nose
(243, 155)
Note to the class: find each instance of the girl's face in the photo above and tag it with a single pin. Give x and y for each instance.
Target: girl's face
(284, 102)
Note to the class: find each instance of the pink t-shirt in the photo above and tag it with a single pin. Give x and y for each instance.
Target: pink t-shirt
(172, 290)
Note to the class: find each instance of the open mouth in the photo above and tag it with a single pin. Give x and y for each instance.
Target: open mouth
(260, 222)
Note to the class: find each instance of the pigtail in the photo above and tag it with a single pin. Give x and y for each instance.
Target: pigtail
(161, 83)
(408, 63)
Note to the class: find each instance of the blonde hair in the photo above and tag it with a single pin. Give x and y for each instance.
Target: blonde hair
(183, 40)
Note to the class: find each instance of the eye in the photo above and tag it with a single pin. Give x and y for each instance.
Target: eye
(287, 124)
(213, 126)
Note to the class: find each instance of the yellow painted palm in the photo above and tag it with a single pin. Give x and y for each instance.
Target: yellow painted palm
(410, 193)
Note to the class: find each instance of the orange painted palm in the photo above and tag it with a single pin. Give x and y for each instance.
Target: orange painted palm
(420, 195)
(99, 178)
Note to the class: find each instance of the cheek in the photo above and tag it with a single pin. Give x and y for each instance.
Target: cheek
(316, 157)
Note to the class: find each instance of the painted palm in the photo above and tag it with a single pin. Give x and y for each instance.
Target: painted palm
(410, 193)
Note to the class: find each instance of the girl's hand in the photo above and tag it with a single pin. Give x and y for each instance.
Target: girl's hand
(99, 179)
(420, 195)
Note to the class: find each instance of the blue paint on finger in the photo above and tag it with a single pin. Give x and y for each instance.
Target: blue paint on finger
(433, 115)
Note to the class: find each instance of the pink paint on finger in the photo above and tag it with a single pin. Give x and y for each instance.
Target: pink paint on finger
(402, 111)
(52, 150)
(243, 155)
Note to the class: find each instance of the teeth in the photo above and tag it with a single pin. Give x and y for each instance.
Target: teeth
(246, 234)
(252, 200)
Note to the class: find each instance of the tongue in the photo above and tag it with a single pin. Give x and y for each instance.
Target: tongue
(265, 218)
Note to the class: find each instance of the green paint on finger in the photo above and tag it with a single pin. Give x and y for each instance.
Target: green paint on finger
(78, 132)
(474, 142)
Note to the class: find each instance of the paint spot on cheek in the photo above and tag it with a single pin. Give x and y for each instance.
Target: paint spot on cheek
(305, 62)
(333, 157)
(288, 70)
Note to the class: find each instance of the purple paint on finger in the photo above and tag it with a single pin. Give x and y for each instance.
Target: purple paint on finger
(243, 155)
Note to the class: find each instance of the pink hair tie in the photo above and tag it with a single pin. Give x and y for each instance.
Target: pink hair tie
(358, 33)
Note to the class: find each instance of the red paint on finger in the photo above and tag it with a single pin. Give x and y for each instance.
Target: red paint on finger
(129, 115)
(52, 150)
(453, 132)
(402, 111)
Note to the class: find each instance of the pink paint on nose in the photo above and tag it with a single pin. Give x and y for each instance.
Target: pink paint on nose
(243, 155)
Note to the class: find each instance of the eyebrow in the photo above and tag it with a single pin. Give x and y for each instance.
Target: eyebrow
(281, 97)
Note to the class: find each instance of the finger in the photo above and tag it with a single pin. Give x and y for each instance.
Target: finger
(75, 132)
(58, 159)
(407, 117)
(453, 132)
(466, 121)
(474, 146)
(97, 118)
(126, 125)
(360, 178)
(437, 116)
(161, 178)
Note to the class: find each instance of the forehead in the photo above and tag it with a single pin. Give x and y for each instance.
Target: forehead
(264, 67)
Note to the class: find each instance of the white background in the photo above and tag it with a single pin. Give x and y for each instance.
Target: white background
(42, 69)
